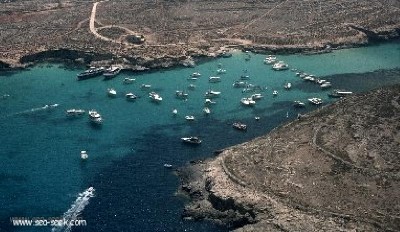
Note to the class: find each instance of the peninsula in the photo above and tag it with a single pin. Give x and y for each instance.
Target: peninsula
(335, 169)
(162, 33)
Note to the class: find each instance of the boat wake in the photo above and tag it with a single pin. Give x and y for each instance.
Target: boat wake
(33, 110)
(76, 208)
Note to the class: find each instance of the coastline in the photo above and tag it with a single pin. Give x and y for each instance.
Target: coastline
(193, 55)
(301, 176)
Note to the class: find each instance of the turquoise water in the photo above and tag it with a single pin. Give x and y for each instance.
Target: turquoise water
(41, 173)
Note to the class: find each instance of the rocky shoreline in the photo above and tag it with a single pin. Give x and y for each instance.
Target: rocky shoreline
(189, 59)
(336, 169)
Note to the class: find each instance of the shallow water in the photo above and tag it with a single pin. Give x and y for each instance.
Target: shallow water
(41, 173)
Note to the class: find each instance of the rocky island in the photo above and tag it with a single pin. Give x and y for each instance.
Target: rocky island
(141, 35)
(335, 169)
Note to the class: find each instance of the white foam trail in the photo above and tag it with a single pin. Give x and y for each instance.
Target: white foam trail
(76, 208)
(45, 107)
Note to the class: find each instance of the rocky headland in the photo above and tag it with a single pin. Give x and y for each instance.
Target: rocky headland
(141, 35)
(335, 169)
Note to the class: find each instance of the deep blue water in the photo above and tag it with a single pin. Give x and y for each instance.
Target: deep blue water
(41, 173)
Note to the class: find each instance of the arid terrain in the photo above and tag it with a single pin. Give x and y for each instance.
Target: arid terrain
(336, 169)
(177, 31)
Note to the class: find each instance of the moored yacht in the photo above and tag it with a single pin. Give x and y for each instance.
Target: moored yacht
(181, 94)
(339, 93)
(248, 101)
(214, 79)
(130, 96)
(288, 85)
(239, 84)
(270, 59)
(212, 94)
(221, 71)
(206, 110)
(280, 65)
(326, 85)
(155, 97)
(239, 126)
(95, 117)
(111, 92)
(298, 104)
(191, 140)
(275, 93)
(315, 101)
(111, 72)
(209, 102)
(189, 117)
(84, 155)
(195, 74)
(128, 80)
(89, 73)
(256, 96)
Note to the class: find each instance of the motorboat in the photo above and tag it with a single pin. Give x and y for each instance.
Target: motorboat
(95, 117)
(181, 94)
(280, 65)
(256, 96)
(89, 73)
(212, 94)
(130, 96)
(111, 72)
(214, 79)
(315, 101)
(192, 86)
(257, 118)
(298, 104)
(189, 117)
(155, 97)
(339, 93)
(111, 92)
(270, 59)
(174, 111)
(248, 57)
(326, 85)
(209, 102)
(226, 54)
(192, 78)
(239, 84)
(167, 165)
(239, 126)
(288, 85)
(221, 71)
(84, 155)
(206, 110)
(195, 74)
(145, 86)
(248, 101)
(191, 140)
(75, 112)
(275, 93)
(128, 80)
(244, 77)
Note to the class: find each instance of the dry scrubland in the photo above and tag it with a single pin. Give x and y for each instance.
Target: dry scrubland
(336, 169)
(182, 28)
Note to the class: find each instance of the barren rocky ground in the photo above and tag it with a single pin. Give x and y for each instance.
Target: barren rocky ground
(336, 169)
(177, 29)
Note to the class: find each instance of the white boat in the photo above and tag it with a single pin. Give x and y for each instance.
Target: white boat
(75, 112)
(130, 96)
(174, 111)
(326, 85)
(191, 140)
(111, 72)
(280, 65)
(257, 118)
(270, 59)
(298, 104)
(339, 93)
(192, 78)
(181, 94)
(84, 155)
(247, 101)
(221, 71)
(212, 94)
(214, 79)
(256, 96)
(239, 84)
(239, 126)
(192, 86)
(209, 102)
(155, 97)
(315, 101)
(111, 92)
(128, 80)
(275, 93)
(206, 110)
(189, 117)
(167, 165)
(145, 86)
(195, 74)
(95, 117)
(244, 77)
(288, 85)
